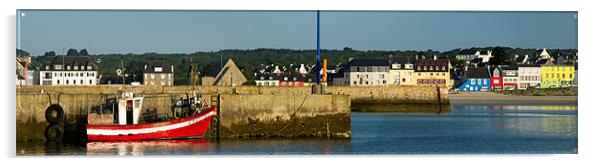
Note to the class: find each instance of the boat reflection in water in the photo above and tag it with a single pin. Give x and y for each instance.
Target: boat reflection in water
(151, 147)
(225, 146)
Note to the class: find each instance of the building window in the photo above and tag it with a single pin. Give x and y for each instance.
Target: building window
(81, 82)
(90, 82)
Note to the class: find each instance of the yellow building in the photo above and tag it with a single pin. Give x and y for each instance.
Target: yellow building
(433, 72)
(553, 76)
(402, 71)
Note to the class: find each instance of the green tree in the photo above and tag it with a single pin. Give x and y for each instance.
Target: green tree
(72, 52)
(50, 53)
(499, 56)
(83, 52)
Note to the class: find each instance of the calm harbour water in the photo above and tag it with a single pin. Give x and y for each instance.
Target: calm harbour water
(466, 129)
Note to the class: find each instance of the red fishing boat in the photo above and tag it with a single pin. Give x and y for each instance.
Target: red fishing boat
(126, 127)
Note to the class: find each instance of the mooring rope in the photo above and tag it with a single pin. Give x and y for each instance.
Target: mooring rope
(293, 115)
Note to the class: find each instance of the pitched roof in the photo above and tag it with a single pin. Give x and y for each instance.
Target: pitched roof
(431, 62)
(231, 67)
(480, 72)
(71, 61)
(369, 62)
(402, 59)
(521, 58)
(164, 65)
(509, 67)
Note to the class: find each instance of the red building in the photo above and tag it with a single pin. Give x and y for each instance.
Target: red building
(497, 79)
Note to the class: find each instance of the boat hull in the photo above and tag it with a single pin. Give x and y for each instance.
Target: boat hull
(193, 126)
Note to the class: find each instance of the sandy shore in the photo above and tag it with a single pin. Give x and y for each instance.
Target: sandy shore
(484, 97)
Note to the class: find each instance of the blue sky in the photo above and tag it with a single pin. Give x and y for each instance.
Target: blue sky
(191, 31)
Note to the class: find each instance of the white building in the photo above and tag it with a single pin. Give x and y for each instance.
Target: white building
(529, 76)
(67, 70)
(367, 72)
(470, 54)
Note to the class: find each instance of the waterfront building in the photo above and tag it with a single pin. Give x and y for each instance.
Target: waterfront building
(510, 76)
(293, 75)
(22, 73)
(366, 72)
(432, 72)
(402, 70)
(159, 72)
(265, 76)
(497, 80)
(476, 79)
(529, 76)
(67, 70)
(553, 76)
(229, 75)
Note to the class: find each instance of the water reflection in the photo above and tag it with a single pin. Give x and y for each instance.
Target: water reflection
(412, 129)
(158, 147)
(402, 108)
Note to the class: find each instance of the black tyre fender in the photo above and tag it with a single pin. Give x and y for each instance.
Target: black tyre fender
(54, 114)
(54, 133)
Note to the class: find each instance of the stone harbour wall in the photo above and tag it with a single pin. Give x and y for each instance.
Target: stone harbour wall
(363, 95)
(298, 115)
